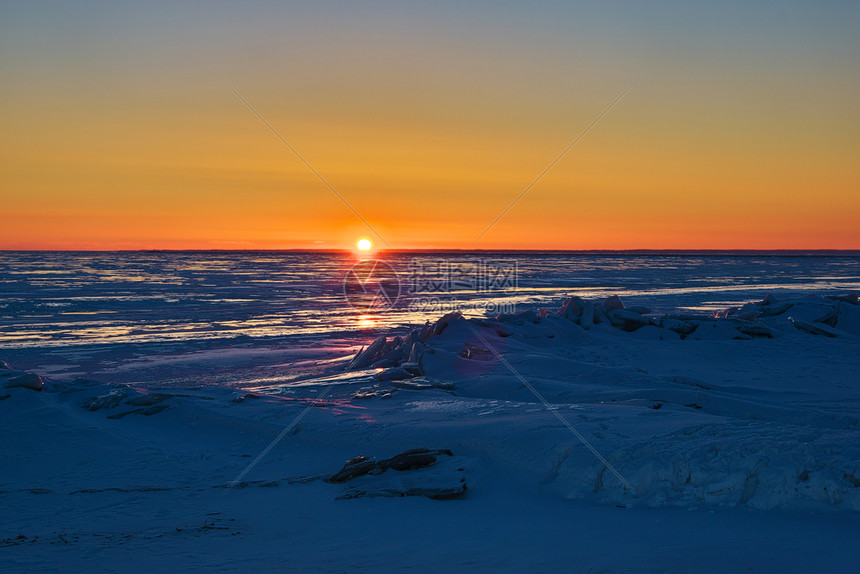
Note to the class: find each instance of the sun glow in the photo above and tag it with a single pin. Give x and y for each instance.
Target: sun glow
(364, 244)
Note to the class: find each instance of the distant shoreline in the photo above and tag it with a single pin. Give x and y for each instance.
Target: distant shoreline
(601, 252)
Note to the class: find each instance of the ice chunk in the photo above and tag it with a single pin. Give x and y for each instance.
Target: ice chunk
(813, 328)
(442, 323)
(612, 303)
(756, 330)
(365, 357)
(769, 299)
(106, 401)
(776, 309)
(845, 298)
(587, 319)
(814, 310)
(680, 327)
(848, 318)
(748, 312)
(26, 381)
(407, 460)
(421, 473)
(627, 320)
(415, 353)
(571, 308)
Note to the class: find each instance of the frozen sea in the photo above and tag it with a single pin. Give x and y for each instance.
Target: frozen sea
(245, 318)
(321, 412)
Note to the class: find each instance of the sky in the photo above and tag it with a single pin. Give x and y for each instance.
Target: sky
(118, 129)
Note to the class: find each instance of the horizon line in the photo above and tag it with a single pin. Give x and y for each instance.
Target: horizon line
(644, 250)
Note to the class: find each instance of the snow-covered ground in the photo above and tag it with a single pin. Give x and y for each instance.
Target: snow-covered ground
(586, 438)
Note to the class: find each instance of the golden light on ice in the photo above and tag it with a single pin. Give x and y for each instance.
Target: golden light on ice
(363, 244)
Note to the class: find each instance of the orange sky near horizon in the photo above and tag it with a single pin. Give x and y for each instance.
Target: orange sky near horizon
(121, 134)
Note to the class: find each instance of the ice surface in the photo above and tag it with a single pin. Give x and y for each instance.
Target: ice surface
(738, 432)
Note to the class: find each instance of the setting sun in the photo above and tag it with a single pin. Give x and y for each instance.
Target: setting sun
(364, 244)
